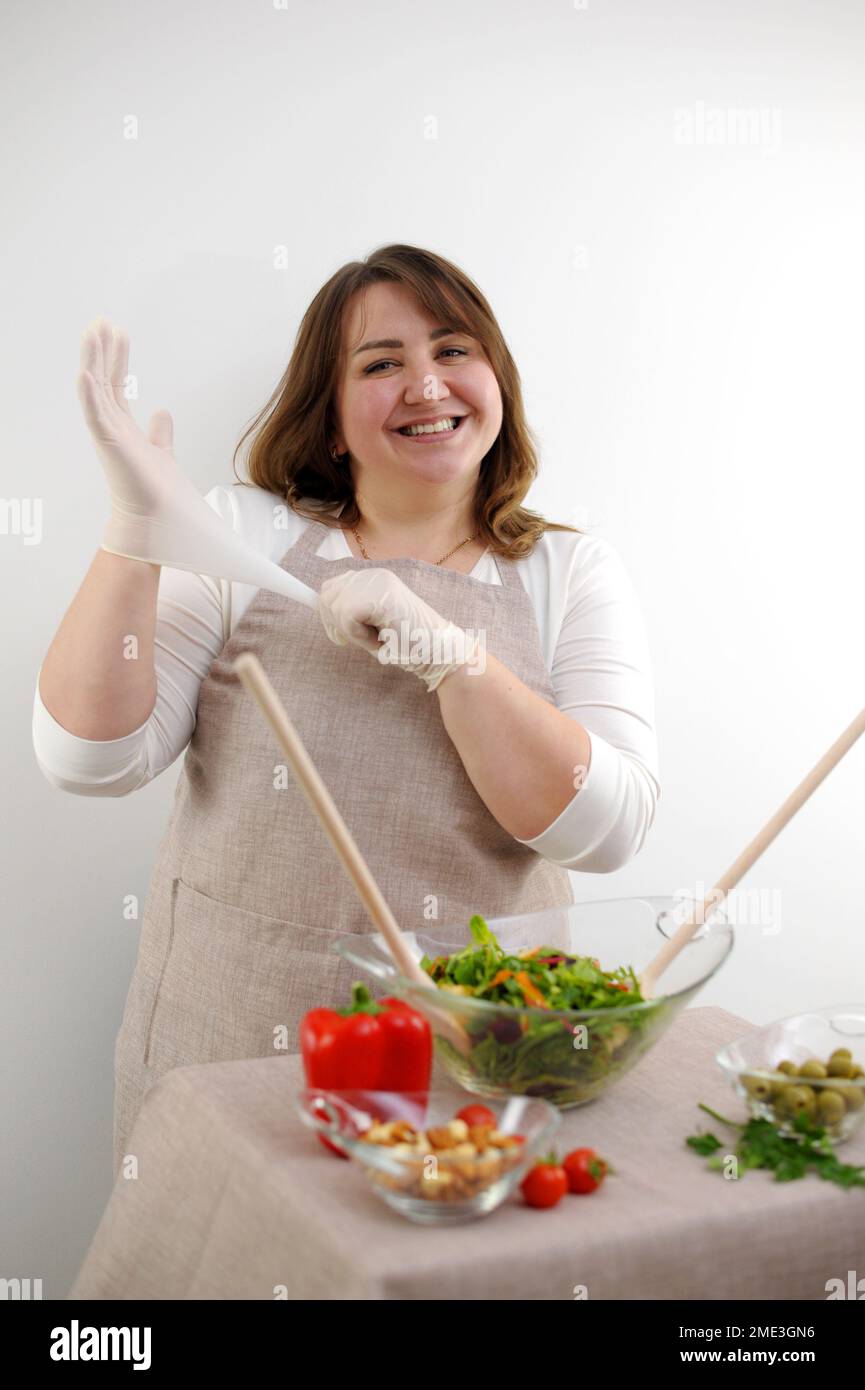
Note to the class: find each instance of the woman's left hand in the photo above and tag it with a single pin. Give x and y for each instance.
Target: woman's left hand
(375, 610)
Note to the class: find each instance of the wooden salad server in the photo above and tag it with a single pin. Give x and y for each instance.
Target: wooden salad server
(253, 676)
(750, 854)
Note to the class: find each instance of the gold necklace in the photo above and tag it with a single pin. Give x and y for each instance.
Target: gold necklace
(438, 562)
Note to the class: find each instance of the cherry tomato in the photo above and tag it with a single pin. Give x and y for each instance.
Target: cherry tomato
(340, 1153)
(476, 1115)
(317, 1108)
(585, 1171)
(545, 1184)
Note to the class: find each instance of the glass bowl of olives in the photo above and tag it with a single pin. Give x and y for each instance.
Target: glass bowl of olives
(813, 1062)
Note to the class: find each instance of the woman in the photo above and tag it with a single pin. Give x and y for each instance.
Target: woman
(459, 763)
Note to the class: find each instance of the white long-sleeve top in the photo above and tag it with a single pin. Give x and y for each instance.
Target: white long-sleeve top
(592, 636)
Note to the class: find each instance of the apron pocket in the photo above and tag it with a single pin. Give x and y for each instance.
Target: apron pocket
(236, 984)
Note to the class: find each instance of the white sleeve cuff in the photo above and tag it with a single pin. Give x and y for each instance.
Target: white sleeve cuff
(607, 820)
(90, 767)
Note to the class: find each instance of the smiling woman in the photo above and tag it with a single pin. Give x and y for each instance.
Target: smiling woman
(402, 338)
(473, 787)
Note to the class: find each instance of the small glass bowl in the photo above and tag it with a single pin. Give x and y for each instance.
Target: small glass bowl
(753, 1064)
(430, 1185)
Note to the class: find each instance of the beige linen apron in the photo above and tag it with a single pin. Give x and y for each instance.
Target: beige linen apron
(247, 896)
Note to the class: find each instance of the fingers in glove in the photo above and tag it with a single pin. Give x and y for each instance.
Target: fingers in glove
(105, 339)
(329, 626)
(349, 631)
(119, 369)
(362, 635)
(161, 429)
(99, 410)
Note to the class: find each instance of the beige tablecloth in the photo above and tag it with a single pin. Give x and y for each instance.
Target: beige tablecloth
(236, 1199)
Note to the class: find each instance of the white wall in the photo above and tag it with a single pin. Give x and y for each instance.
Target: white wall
(687, 321)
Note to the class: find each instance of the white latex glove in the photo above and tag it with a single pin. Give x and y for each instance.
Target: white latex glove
(156, 514)
(353, 606)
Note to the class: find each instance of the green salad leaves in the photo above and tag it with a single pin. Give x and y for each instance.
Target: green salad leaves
(543, 977)
(517, 1049)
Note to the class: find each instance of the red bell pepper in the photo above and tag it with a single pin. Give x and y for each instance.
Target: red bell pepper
(372, 1045)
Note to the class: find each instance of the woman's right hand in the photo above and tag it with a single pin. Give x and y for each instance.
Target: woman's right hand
(157, 515)
(148, 490)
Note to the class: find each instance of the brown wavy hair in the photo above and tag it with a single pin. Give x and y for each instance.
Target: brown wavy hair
(290, 452)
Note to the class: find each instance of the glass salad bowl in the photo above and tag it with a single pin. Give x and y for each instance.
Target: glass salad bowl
(813, 1062)
(565, 1056)
(420, 1159)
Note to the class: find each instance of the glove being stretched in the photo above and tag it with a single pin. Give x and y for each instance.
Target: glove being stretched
(157, 516)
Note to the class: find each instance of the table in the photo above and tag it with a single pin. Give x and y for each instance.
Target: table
(236, 1199)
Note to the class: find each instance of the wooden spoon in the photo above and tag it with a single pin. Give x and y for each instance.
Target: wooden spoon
(750, 854)
(252, 674)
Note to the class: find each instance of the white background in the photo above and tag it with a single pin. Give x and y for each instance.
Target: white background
(687, 320)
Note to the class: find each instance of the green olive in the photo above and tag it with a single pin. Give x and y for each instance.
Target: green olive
(841, 1052)
(840, 1066)
(758, 1087)
(857, 1070)
(779, 1089)
(789, 1067)
(830, 1107)
(798, 1098)
(852, 1094)
(813, 1067)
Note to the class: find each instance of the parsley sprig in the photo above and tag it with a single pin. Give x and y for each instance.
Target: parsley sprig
(762, 1145)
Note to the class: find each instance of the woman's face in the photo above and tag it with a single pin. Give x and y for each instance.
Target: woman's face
(425, 373)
